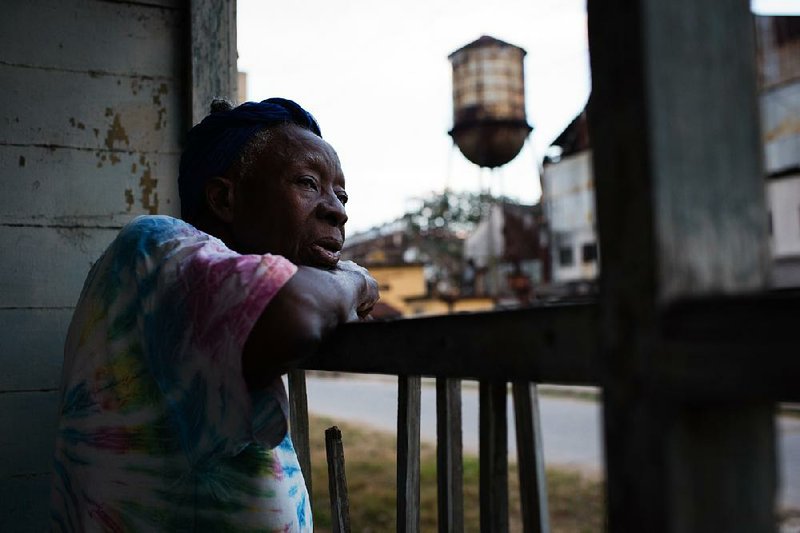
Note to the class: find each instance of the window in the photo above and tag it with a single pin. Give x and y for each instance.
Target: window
(565, 256)
(786, 29)
(589, 252)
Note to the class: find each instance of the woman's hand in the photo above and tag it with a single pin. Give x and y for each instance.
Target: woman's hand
(368, 294)
(311, 305)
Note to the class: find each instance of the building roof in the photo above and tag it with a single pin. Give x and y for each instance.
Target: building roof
(486, 40)
(575, 137)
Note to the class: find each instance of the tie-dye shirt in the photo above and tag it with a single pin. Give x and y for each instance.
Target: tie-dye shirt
(157, 429)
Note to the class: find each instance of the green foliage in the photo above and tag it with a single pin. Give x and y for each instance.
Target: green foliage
(455, 213)
(438, 226)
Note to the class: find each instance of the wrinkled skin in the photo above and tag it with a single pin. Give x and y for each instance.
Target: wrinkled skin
(292, 204)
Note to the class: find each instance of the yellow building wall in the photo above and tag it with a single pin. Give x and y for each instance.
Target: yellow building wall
(473, 304)
(400, 283)
(436, 306)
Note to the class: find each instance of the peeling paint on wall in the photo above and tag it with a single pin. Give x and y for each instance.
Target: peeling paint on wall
(76, 124)
(116, 133)
(147, 184)
(161, 121)
(128, 200)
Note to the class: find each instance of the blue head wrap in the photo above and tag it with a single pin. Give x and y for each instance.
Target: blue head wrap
(214, 144)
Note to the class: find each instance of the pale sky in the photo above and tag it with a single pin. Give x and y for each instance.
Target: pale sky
(376, 76)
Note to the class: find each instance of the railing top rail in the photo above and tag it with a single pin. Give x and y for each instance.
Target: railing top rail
(734, 345)
(552, 344)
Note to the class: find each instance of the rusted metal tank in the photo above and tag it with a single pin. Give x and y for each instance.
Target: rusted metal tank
(489, 125)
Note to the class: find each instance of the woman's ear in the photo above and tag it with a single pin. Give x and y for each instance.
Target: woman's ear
(220, 197)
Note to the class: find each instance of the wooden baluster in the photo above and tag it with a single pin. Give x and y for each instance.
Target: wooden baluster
(298, 422)
(493, 457)
(337, 481)
(532, 480)
(408, 411)
(449, 463)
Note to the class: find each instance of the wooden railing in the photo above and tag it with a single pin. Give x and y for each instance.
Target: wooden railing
(738, 349)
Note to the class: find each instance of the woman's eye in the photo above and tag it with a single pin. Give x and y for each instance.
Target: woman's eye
(308, 182)
(342, 196)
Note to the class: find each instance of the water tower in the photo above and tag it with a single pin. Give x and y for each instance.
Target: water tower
(489, 125)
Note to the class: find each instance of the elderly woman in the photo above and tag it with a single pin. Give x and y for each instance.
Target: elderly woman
(173, 414)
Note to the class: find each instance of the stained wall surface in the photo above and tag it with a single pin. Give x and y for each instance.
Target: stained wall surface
(91, 120)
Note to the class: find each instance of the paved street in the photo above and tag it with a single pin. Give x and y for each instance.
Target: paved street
(571, 427)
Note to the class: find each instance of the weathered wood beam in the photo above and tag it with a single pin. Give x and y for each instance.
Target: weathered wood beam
(298, 422)
(409, 393)
(212, 49)
(530, 453)
(337, 481)
(555, 344)
(740, 346)
(449, 456)
(681, 214)
(493, 456)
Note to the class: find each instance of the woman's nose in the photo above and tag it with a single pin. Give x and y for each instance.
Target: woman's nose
(332, 210)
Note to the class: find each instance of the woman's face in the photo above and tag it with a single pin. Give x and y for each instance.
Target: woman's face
(292, 202)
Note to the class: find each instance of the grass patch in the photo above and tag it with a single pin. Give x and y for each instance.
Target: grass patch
(575, 501)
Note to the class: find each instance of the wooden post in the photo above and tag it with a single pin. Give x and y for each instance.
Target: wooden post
(408, 411)
(337, 481)
(532, 479)
(493, 451)
(449, 461)
(680, 200)
(212, 65)
(298, 422)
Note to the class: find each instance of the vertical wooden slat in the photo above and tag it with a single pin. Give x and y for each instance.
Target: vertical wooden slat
(677, 166)
(449, 462)
(408, 412)
(532, 480)
(212, 65)
(493, 451)
(337, 481)
(298, 422)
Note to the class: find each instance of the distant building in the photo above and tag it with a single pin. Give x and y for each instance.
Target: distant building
(503, 262)
(409, 286)
(778, 41)
(507, 254)
(568, 202)
(568, 182)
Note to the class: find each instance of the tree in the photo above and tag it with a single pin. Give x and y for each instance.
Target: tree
(437, 229)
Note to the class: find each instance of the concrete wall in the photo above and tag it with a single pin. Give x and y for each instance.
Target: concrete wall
(93, 110)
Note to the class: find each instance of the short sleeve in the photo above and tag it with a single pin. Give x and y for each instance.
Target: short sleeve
(202, 300)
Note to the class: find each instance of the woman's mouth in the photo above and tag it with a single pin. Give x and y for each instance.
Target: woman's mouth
(325, 253)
